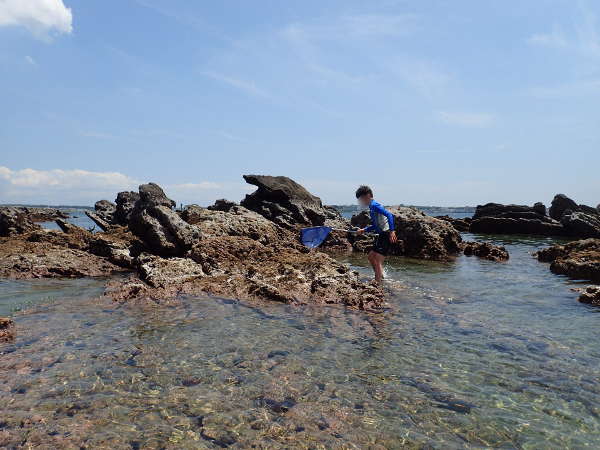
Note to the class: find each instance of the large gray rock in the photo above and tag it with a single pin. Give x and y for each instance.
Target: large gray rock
(125, 203)
(15, 221)
(287, 203)
(155, 222)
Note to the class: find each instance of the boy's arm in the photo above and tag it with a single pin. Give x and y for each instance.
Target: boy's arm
(369, 228)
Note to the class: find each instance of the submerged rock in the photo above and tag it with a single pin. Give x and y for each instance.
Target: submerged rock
(485, 250)
(7, 329)
(591, 296)
(578, 259)
(287, 203)
(14, 221)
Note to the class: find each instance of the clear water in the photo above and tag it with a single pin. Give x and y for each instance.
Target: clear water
(77, 217)
(470, 354)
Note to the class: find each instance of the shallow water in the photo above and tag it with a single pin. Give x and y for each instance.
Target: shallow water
(470, 354)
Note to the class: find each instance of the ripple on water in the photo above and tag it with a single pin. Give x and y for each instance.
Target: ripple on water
(470, 354)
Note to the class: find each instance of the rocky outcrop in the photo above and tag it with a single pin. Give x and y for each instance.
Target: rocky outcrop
(7, 330)
(163, 231)
(495, 218)
(591, 296)
(222, 205)
(560, 204)
(485, 250)
(99, 221)
(578, 220)
(22, 258)
(578, 259)
(125, 203)
(288, 204)
(581, 224)
(463, 224)
(14, 221)
(419, 235)
(105, 210)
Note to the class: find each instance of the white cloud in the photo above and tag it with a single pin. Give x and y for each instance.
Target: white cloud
(465, 119)
(555, 39)
(84, 187)
(40, 17)
(30, 60)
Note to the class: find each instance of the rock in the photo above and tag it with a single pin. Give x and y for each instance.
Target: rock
(463, 224)
(581, 224)
(560, 204)
(591, 296)
(360, 220)
(243, 268)
(288, 204)
(119, 246)
(163, 231)
(15, 221)
(105, 210)
(125, 203)
(500, 210)
(577, 259)
(41, 214)
(163, 273)
(154, 221)
(7, 329)
(539, 208)
(237, 221)
(222, 205)
(419, 235)
(21, 258)
(494, 218)
(485, 250)
(102, 223)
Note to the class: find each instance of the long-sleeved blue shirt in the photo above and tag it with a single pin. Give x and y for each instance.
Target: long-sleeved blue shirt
(381, 218)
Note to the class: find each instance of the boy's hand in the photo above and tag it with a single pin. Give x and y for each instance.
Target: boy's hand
(393, 237)
(360, 231)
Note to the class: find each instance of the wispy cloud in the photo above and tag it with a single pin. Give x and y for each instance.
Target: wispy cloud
(465, 119)
(30, 60)
(40, 17)
(64, 179)
(248, 87)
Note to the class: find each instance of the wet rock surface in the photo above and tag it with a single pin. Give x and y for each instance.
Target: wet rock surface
(462, 225)
(485, 250)
(578, 259)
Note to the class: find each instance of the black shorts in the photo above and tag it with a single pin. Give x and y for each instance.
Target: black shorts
(382, 243)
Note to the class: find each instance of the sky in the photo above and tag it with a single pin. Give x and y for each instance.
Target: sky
(431, 102)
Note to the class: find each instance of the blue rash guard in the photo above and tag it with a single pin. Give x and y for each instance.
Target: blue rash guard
(381, 219)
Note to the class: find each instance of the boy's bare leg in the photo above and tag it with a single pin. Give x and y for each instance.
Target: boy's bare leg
(376, 261)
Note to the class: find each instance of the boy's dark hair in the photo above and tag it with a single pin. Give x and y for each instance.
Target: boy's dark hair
(363, 190)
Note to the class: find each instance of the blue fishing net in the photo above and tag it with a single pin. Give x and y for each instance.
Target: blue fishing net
(314, 236)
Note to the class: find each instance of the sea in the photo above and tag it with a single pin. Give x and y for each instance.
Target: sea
(469, 354)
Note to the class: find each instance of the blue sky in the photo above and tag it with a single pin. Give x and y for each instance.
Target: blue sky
(430, 102)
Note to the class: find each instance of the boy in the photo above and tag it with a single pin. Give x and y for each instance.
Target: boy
(382, 222)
